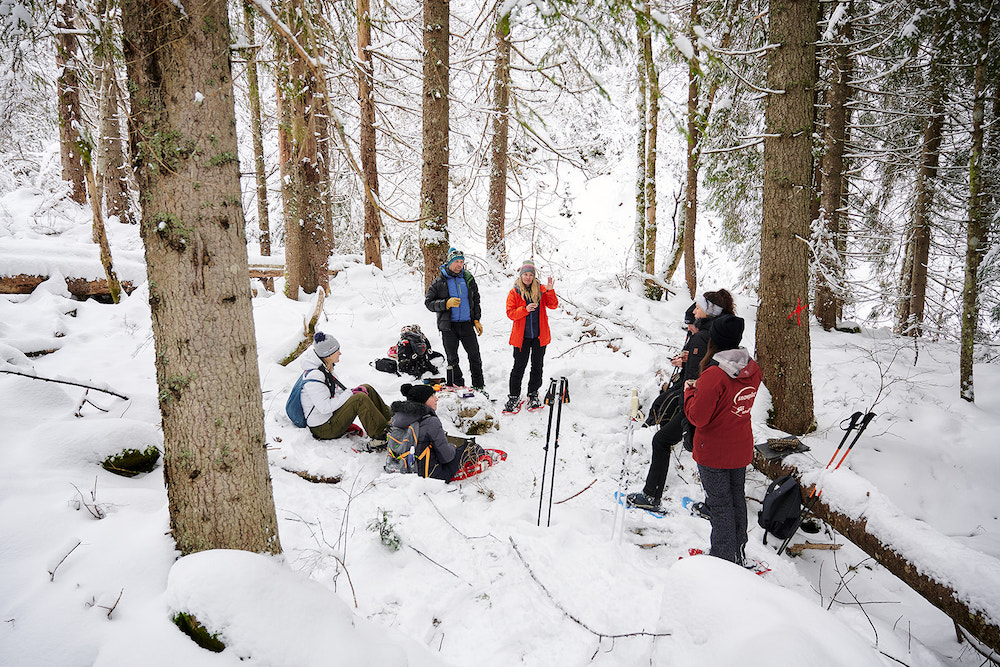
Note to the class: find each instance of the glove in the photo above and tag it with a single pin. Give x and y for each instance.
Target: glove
(479, 327)
(359, 390)
(453, 302)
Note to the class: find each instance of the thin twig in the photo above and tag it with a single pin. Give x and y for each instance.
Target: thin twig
(599, 635)
(559, 502)
(52, 572)
(112, 607)
(70, 382)
(437, 563)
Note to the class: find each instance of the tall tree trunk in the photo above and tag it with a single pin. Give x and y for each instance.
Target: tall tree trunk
(289, 176)
(366, 77)
(256, 130)
(68, 90)
(783, 346)
(978, 230)
(653, 290)
(833, 183)
(914, 277)
(434, 172)
(307, 247)
(642, 112)
(182, 130)
(694, 138)
(496, 244)
(113, 168)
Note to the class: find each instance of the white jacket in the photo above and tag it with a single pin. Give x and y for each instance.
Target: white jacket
(318, 404)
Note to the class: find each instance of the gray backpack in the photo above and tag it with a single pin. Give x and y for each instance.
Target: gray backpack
(401, 445)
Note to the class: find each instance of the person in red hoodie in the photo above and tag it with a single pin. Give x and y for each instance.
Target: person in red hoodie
(718, 405)
(529, 334)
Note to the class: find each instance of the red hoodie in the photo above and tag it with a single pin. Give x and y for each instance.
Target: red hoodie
(719, 409)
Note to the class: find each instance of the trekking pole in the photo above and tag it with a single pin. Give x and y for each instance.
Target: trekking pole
(563, 397)
(550, 400)
(854, 422)
(634, 415)
(864, 424)
(814, 496)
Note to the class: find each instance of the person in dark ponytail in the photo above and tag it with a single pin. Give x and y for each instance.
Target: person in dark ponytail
(718, 405)
(704, 310)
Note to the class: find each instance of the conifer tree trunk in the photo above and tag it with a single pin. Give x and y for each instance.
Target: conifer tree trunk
(978, 229)
(653, 290)
(783, 346)
(833, 183)
(642, 111)
(307, 206)
(694, 137)
(496, 212)
(257, 133)
(113, 168)
(373, 222)
(434, 172)
(182, 131)
(68, 90)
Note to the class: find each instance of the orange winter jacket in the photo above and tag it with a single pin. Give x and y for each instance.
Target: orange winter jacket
(517, 310)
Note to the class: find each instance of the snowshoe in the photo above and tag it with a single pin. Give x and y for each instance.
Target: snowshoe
(513, 405)
(534, 403)
(696, 508)
(642, 501)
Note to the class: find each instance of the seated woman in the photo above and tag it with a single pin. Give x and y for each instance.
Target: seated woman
(437, 455)
(329, 406)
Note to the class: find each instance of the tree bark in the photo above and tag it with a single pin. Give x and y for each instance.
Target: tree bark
(100, 234)
(783, 346)
(373, 222)
(833, 183)
(653, 290)
(183, 138)
(496, 213)
(978, 230)
(642, 113)
(434, 172)
(694, 136)
(307, 248)
(938, 593)
(256, 130)
(68, 90)
(112, 176)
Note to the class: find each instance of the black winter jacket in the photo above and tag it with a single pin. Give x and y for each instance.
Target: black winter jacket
(437, 297)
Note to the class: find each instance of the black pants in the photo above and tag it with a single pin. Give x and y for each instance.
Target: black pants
(464, 333)
(663, 440)
(530, 347)
(726, 500)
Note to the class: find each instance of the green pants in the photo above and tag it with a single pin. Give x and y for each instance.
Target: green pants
(369, 408)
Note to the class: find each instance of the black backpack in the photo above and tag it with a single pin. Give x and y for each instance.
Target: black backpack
(782, 508)
(413, 352)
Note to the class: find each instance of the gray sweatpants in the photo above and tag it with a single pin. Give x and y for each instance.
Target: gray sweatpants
(726, 500)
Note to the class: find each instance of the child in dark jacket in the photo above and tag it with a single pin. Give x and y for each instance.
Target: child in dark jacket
(718, 405)
(437, 454)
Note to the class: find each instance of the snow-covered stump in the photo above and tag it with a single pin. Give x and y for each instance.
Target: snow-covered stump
(963, 593)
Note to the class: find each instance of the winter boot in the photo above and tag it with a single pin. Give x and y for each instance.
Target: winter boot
(513, 404)
(642, 501)
(534, 403)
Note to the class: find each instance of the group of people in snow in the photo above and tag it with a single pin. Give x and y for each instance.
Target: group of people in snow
(330, 408)
(707, 405)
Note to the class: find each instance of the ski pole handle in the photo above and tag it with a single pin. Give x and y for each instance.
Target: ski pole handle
(854, 421)
(633, 411)
(861, 429)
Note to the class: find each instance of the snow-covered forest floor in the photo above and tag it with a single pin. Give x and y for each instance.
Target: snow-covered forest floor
(474, 580)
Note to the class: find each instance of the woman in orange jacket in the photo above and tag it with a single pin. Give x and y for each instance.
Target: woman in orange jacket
(526, 304)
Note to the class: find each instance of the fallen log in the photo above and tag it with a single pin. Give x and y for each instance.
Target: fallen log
(78, 287)
(939, 593)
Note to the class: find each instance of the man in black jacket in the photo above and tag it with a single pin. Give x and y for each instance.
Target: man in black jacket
(454, 296)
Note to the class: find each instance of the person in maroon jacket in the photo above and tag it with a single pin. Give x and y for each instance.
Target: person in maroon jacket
(718, 405)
